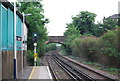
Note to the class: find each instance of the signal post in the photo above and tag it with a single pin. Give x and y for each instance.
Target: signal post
(35, 39)
(35, 54)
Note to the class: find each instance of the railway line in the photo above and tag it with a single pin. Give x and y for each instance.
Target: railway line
(63, 68)
(57, 72)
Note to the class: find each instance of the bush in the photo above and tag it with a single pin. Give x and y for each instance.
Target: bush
(110, 43)
(89, 48)
(30, 57)
(50, 47)
(85, 48)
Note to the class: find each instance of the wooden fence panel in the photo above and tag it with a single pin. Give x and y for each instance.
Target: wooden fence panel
(7, 63)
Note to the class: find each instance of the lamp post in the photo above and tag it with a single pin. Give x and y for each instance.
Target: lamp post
(15, 53)
(23, 37)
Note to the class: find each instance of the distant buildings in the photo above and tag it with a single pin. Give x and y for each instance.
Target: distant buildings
(116, 16)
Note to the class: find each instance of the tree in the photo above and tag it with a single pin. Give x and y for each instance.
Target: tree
(71, 33)
(85, 22)
(72, 30)
(101, 28)
(36, 22)
(98, 30)
(109, 23)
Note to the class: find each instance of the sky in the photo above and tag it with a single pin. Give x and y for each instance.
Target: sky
(59, 12)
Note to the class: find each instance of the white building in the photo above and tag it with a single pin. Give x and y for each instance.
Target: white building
(119, 7)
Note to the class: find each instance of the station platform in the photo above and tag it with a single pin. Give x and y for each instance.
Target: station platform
(40, 72)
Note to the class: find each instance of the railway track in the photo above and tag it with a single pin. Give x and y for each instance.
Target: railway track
(73, 70)
(76, 75)
(58, 73)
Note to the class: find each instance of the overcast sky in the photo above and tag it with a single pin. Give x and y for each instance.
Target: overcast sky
(59, 12)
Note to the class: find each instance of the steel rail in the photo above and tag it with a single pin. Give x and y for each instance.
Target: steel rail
(53, 73)
(78, 76)
(51, 68)
(107, 78)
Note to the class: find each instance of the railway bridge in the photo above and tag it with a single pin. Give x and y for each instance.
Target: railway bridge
(56, 39)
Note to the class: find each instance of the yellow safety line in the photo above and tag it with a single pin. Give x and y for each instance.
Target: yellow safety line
(31, 73)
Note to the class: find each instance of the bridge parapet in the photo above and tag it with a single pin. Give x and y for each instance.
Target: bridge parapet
(56, 39)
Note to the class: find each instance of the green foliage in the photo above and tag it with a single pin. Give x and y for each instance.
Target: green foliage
(87, 34)
(110, 43)
(71, 34)
(38, 61)
(30, 57)
(119, 22)
(108, 33)
(89, 48)
(84, 22)
(109, 24)
(83, 25)
(85, 47)
(98, 30)
(111, 69)
(62, 52)
(50, 47)
(36, 22)
(72, 30)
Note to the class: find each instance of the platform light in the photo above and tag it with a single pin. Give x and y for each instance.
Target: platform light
(23, 37)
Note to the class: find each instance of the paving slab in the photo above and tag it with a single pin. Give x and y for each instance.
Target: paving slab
(26, 72)
(40, 72)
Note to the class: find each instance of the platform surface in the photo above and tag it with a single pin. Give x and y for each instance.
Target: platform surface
(40, 72)
(26, 72)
